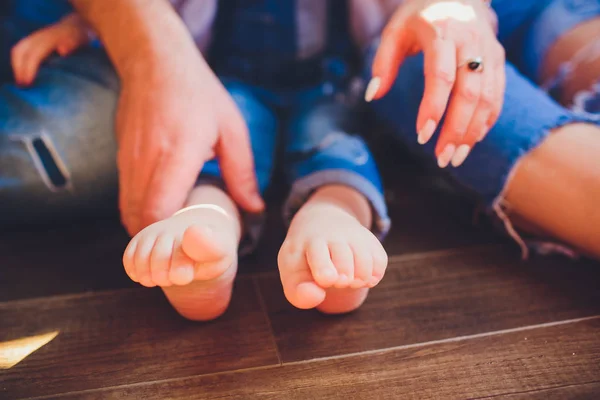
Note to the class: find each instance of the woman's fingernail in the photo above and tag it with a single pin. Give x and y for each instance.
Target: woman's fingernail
(426, 132)
(461, 154)
(372, 88)
(446, 156)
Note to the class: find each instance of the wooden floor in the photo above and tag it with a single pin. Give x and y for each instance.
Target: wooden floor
(458, 315)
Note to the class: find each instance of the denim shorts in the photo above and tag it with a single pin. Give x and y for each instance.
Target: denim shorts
(527, 29)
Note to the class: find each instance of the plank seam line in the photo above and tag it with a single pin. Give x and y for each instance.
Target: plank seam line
(394, 259)
(263, 307)
(348, 355)
(450, 340)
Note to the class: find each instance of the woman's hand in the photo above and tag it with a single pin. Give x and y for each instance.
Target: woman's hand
(451, 34)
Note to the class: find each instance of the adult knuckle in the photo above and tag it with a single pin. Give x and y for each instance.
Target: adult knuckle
(470, 34)
(487, 100)
(445, 76)
(468, 93)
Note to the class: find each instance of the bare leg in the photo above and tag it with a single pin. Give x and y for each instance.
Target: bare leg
(564, 49)
(556, 188)
(191, 255)
(330, 258)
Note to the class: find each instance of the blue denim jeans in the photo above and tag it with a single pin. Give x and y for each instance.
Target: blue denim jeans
(57, 146)
(304, 101)
(320, 137)
(527, 29)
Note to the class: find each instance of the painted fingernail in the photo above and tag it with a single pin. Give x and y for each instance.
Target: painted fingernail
(484, 132)
(461, 154)
(446, 156)
(372, 88)
(426, 132)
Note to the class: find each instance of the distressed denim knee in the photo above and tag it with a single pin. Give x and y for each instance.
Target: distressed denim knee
(57, 146)
(323, 148)
(527, 118)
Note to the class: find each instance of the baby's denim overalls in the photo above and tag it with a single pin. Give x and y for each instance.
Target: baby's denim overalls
(290, 73)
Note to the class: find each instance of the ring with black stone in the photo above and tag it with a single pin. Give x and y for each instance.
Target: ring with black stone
(474, 64)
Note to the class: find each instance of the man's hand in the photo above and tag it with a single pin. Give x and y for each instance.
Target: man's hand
(173, 114)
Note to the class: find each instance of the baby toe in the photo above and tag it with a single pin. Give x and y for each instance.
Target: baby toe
(380, 262)
(142, 260)
(160, 260)
(128, 259)
(299, 286)
(181, 269)
(319, 261)
(343, 260)
(363, 265)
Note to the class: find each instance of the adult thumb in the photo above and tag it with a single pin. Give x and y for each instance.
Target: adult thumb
(236, 161)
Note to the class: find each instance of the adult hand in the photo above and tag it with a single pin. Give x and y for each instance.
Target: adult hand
(173, 113)
(173, 116)
(450, 34)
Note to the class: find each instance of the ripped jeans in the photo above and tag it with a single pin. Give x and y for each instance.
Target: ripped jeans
(319, 131)
(57, 143)
(527, 29)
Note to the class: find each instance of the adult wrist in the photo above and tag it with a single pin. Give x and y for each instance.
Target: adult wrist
(135, 32)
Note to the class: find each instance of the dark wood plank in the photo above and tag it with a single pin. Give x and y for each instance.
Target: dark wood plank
(128, 336)
(422, 220)
(506, 363)
(64, 259)
(432, 298)
(430, 221)
(86, 255)
(587, 391)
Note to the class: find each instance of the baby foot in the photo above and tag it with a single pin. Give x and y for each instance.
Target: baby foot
(192, 256)
(329, 260)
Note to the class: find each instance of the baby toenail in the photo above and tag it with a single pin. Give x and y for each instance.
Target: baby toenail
(185, 273)
(329, 273)
(358, 282)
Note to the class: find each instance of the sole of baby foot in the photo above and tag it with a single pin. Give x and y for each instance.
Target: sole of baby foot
(342, 301)
(202, 300)
(327, 250)
(192, 256)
